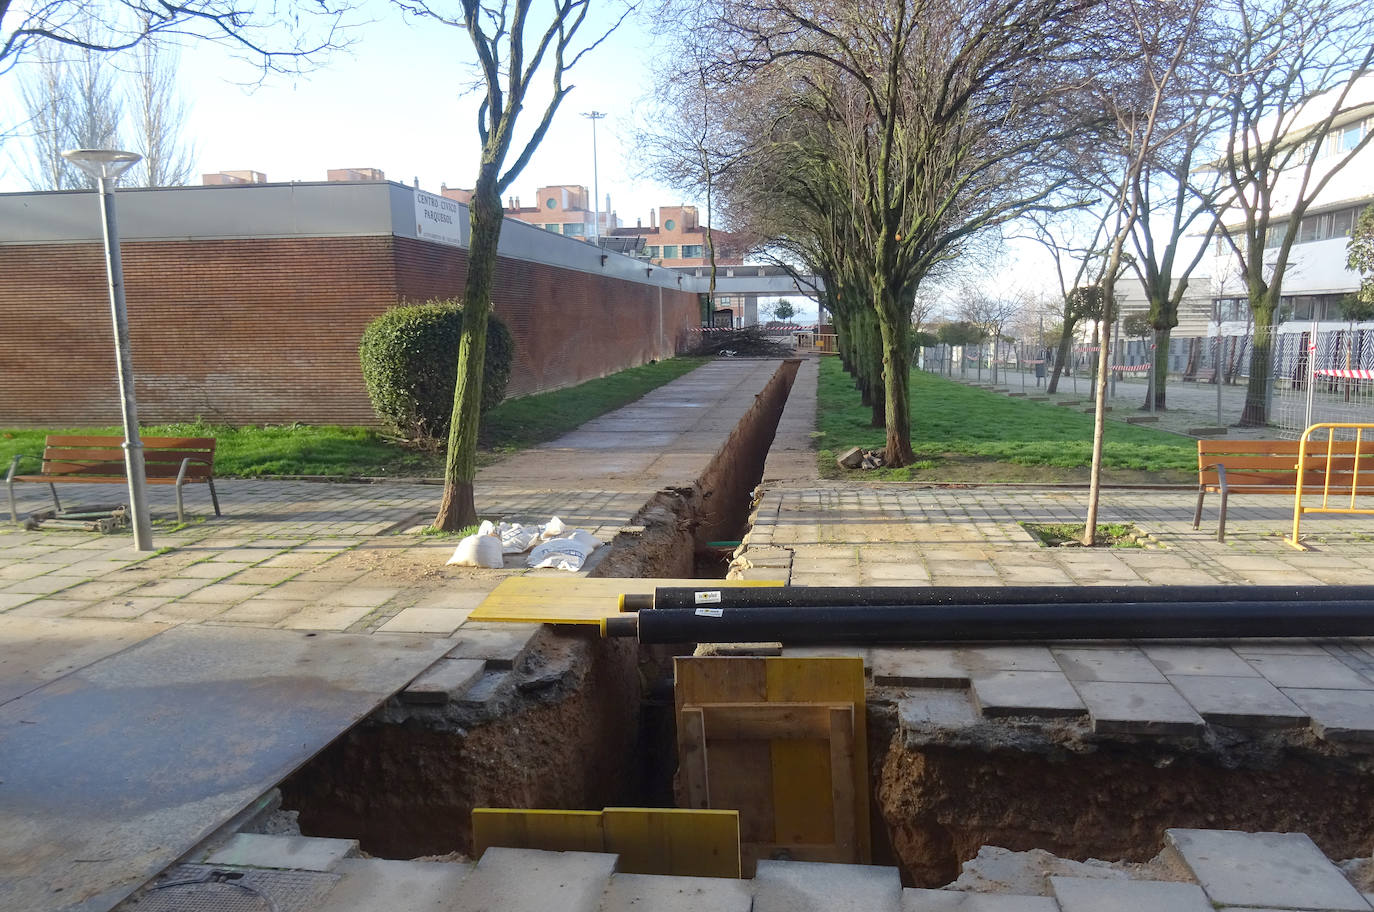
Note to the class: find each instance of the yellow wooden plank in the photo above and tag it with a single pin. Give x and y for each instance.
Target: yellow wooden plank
(802, 769)
(688, 843)
(769, 721)
(739, 773)
(577, 600)
(551, 830)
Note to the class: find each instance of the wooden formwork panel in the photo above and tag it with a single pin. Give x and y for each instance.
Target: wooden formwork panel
(784, 742)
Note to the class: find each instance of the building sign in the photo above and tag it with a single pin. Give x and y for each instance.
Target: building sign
(437, 219)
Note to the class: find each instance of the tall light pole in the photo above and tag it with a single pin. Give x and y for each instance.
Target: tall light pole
(106, 165)
(594, 116)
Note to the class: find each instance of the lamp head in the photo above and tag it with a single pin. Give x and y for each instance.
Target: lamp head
(108, 163)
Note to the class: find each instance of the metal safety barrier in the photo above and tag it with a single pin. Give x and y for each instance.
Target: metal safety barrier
(1339, 463)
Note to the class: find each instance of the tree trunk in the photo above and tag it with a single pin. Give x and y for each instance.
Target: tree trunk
(1061, 355)
(1160, 374)
(458, 509)
(1256, 413)
(895, 330)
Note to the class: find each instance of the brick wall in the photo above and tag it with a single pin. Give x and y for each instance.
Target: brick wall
(266, 330)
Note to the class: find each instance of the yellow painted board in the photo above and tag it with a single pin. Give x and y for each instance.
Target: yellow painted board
(578, 600)
(801, 768)
(686, 843)
(553, 831)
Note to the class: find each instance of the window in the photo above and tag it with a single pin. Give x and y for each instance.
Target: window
(551, 203)
(553, 228)
(669, 225)
(651, 252)
(1346, 138)
(691, 251)
(670, 251)
(575, 228)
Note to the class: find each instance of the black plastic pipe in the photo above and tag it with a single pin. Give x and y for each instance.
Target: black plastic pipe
(832, 596)
(1240, 617)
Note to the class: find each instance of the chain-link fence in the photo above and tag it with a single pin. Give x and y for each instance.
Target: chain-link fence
(1320, 373)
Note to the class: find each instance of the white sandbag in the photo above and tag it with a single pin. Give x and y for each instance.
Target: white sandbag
(479, 551)
(567, 553)
(516, 538)
(554, 528)
(486, 528)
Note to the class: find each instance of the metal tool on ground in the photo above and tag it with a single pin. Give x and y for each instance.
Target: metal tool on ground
(94, 518)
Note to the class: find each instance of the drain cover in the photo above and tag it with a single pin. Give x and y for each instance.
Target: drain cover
(211, 888)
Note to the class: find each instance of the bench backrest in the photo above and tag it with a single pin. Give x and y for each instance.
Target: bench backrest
(1274, 464)
(103, 456)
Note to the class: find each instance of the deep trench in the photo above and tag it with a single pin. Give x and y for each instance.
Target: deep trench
(579, 723)
(586, 723)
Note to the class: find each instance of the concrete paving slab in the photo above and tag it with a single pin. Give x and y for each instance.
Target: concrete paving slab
(177, 734)
(1126, 664)
(647, 893)
(299, 853)
(529, 880)
(34, 651)
(1141, 709)
(919, 666)
(1337, 715)
(501, 645)
(937, 709)
(445, 680)
(1082, 895)
(1046, 694)
(1199, 660)
(1283, 870)
(914, 900)
(382, 885)
(797, 886)
(1318, 671)
(1239, 702)
(1008, 658)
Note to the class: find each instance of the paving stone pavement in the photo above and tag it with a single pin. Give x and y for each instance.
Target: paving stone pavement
(329, 556)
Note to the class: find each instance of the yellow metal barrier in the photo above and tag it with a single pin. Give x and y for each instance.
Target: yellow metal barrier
(1336, 468)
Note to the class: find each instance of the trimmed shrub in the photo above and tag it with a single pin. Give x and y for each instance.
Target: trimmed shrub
(410, 364)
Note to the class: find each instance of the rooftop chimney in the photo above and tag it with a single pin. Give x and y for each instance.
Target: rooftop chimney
(653, 218)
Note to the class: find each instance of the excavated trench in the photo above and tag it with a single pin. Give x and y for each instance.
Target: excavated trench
(582, 722)
(577, 721)
(1057, 787)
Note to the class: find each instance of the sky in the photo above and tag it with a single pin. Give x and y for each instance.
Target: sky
(396, 100)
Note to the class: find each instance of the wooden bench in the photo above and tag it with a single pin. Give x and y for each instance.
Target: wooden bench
(100, 460)
(1271, 467)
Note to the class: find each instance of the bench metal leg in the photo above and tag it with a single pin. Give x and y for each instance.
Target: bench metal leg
(1225, 493)
(214, 498)
(1197, 514)
(181, 514)
(57, 504)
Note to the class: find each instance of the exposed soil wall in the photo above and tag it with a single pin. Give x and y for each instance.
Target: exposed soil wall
(405, 782)
(1109, 800)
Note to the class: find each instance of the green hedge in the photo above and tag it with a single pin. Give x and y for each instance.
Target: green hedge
(410, 364)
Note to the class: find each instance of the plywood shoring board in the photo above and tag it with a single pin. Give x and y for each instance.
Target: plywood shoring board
(784, 742)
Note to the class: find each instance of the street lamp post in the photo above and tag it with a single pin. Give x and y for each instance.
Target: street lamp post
(594, 116)
(106, 166)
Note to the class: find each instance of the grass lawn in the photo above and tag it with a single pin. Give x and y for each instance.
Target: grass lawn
(358, 451)
(963, 434)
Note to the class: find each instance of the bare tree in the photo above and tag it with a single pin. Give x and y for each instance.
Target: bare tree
(509, 58)
(285, 36)
(159, 118)
(72, 100)
(1292, 68)
(991, 313)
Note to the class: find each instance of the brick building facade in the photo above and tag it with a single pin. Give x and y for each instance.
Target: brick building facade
(262, 325)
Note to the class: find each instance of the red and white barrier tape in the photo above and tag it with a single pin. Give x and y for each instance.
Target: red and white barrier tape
(1352, 374)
